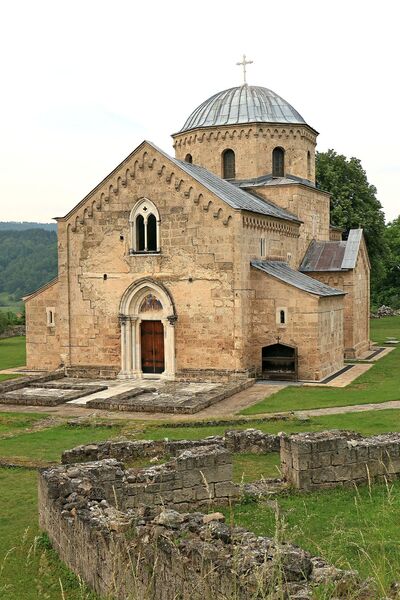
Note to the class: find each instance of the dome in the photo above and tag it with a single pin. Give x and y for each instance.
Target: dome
(244, 104)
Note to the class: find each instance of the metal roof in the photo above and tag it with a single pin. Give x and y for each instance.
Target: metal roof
(282, 271)
(352, 248)
(270, 180)
(229, 193)
(332, 256)
(244, 104)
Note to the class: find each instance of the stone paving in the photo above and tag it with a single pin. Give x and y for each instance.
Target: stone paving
(165, 396)
(48, 394)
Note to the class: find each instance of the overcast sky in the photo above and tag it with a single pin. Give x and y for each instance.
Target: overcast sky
(84, 82)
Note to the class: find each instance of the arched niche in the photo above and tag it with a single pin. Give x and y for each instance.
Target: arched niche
(147, 317)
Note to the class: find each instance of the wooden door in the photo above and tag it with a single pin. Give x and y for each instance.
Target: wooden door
(152, 345)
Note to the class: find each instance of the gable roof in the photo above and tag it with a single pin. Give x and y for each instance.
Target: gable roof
(333, 256)
(282, 271)
(42, 288)
(236, 198)
(231, 194)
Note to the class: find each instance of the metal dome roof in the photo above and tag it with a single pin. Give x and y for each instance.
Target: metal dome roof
(244, 104)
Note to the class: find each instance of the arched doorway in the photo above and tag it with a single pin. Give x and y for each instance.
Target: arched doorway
(279, 361)
(147, 318)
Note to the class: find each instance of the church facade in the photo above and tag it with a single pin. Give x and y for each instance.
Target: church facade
(217, 263)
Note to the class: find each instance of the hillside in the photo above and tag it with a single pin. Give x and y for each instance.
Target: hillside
(28, 259)
(23, 225)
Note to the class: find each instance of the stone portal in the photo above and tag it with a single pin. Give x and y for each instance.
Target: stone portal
(147, 318)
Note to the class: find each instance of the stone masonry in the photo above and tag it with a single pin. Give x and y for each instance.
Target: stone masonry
(252, 441)
(328, 459)
(107, 522)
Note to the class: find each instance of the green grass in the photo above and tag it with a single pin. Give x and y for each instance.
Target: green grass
(250, 467)
(352, 528)
(14, 422)
(381, 329)
(4, 377)
(380, 384)
(48, 444)
(367, 423)
(28, 570)
(12, 352)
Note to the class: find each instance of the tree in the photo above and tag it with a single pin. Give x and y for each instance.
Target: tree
(390, 292)
(354, 204)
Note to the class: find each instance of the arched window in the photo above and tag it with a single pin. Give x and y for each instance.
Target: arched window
(278, 162)
(139, 233)
(228, 164)
(151, 233)
(145, 227)
(308, 164)
(282, 317)
(188, 158)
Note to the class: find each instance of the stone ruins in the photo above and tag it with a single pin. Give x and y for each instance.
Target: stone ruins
(137, 532)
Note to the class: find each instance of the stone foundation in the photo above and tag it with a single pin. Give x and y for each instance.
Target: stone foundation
(111, 526)
(328, 459)
(252, 441)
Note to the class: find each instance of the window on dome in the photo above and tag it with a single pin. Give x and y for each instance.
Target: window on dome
(145, 227)
(308, 164)
(278, 162)
(228, 164)
(188, 158)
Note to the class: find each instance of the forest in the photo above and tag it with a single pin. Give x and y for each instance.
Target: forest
(28, 259)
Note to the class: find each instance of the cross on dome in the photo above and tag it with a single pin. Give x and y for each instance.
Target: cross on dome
(243, 64)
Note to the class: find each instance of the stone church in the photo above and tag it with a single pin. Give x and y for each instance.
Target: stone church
(217, 263)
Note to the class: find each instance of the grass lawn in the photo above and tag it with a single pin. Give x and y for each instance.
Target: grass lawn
(12, 352)
(29, 570)
(352, 528)
(4, 377)
(380, 384)
(14, 422)
(47, 444)
(366, 423)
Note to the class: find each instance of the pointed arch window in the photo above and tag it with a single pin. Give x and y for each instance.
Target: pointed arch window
(144, 223)
(228, 164)
(278, 162)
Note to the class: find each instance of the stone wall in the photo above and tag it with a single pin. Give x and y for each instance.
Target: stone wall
(251, 441)
(328, 459)
(156, 553)
(253, 146)
(42, 340)
(13, 331)
(356, 284)
(314, 325)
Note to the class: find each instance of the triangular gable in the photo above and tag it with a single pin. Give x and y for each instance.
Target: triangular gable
(231, 195)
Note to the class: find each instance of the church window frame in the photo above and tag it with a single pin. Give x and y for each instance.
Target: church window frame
(309, 164)
(144, 222)
(189, 158)
(50, 316)
(278, 162)
(228, 164)
(281, 316)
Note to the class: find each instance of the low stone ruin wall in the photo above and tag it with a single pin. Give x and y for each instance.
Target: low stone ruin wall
(252, 441)
(106, 523)
(333, 458)
(19, 382)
